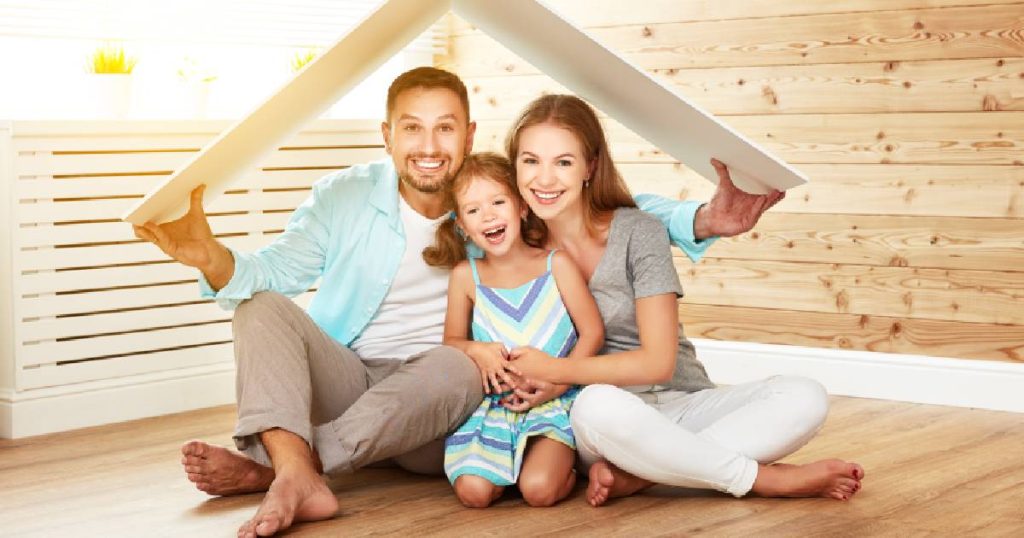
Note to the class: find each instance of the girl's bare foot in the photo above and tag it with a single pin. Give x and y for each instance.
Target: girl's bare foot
(835, 479)
(297, 494)
(608, 482)
(219, 471)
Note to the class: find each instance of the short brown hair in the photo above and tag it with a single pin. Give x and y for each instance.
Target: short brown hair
(428, 78)
(449, 248)
(607, 191)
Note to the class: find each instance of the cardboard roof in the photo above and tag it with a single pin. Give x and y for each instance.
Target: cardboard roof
(526, 27)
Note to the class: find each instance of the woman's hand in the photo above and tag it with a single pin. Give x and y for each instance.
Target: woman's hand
(491, 359)
(531, 362)
(530, 393)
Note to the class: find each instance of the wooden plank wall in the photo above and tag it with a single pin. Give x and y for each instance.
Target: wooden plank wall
(908, 116)
(93, 303)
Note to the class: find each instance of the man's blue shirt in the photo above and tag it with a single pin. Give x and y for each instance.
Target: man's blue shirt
(349, 233)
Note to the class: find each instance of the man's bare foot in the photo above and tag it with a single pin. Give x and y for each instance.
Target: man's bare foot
(608, 482)
(219, 471)
(297, 494)
(835, 479)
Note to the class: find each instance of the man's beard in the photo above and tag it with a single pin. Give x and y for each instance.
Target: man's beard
(427, 187)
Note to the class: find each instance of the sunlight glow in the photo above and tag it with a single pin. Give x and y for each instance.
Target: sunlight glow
(211, 59)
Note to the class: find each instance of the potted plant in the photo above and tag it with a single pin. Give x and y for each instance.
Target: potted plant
(303, 57)
(112, 69)
(196, 80)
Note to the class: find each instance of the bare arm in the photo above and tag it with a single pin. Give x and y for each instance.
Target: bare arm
(654, 291)
(491, 358)
(581, 306)
(653, 362)
(460, 309)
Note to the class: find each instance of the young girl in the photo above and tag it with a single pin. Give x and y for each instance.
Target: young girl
(516, 295)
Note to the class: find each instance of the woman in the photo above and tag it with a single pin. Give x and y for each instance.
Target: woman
(668, 424)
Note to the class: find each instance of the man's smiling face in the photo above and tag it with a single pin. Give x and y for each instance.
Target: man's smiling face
(428, 137)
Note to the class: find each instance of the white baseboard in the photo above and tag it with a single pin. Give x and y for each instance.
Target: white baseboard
(887, 376)
(55, 409)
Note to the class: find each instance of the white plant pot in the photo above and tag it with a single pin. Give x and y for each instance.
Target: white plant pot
(197, 99)
(112, 95)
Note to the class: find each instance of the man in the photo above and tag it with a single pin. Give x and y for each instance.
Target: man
(361, 377)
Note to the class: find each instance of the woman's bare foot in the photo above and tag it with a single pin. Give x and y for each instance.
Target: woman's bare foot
(835, 479)
(219, 471)
(608, 482)
(297, 494)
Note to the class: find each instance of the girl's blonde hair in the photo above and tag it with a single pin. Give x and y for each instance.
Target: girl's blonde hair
(449, 246)
(606, 191)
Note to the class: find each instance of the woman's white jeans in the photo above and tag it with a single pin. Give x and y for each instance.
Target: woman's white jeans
(711, 439)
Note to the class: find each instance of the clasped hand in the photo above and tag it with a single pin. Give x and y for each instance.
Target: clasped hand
(492, 360)
(529, 393)
(500, 374)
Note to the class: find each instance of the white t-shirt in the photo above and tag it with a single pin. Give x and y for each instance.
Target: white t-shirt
(411, 318)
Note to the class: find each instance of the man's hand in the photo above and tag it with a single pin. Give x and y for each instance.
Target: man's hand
(190, 241)
(491, 359)
(731, 211)
(531, 393)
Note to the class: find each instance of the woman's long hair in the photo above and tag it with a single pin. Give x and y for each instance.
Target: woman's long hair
(449, 246)
(607, 191)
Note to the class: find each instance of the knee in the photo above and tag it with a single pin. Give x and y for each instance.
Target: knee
(474, 491)
(604, 409)
(259, 307)
(460, 369)
(807, 399)
(453, 370)
(592, 401)
(446, 384)
(540, 490)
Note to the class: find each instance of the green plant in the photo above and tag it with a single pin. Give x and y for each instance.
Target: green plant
(111, 59)
(303, 57)
(192, 71)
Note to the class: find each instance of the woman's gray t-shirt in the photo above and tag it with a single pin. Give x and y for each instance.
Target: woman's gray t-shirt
(637, 263)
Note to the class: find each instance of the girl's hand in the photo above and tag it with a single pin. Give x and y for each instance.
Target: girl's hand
(530, 362)
(530, 394)
(504, 387)
(491, 359)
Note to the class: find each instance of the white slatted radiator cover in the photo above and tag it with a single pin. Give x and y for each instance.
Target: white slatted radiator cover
(89, 301)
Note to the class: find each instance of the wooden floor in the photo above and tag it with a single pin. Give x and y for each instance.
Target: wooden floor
(931, 471)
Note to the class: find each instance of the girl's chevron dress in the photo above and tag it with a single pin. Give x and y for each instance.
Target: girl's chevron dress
(492, 441)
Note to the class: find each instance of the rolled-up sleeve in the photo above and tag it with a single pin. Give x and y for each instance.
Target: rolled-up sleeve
(289, 265)
(678, 217)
